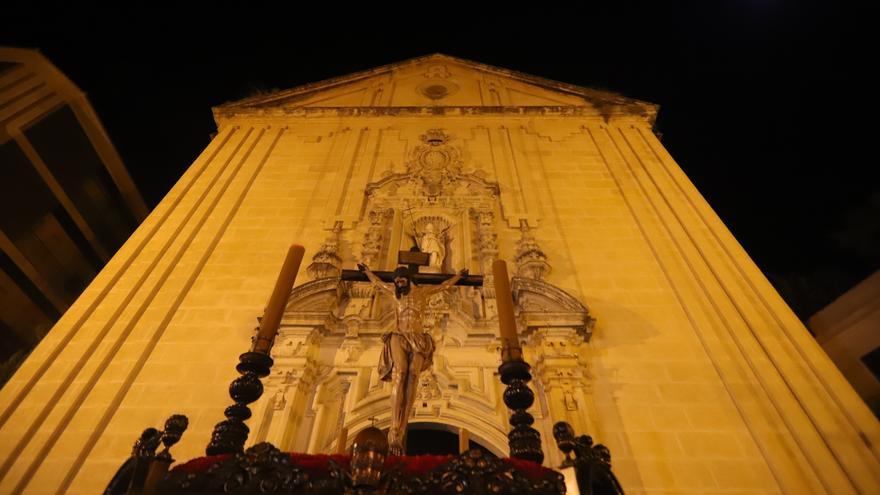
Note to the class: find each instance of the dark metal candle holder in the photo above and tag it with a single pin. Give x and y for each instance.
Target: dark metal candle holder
(263, 469)
(230, 434)
(141, 472)
(523, 440)
(592, 462)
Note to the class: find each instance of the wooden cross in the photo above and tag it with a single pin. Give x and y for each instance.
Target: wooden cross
(414, 258)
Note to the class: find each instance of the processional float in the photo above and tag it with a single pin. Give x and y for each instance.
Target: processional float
(369, 467)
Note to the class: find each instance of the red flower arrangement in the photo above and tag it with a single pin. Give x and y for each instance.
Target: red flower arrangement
(316, 464)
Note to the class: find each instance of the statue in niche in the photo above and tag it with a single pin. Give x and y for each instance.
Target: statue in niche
(279, 400)
(408, 349)
(430, 243)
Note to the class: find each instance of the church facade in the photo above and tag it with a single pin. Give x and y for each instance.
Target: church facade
(646, 324)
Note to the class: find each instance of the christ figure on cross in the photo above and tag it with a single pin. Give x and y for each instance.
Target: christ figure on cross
(408, 349)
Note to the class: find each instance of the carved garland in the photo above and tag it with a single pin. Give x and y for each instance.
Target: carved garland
(434, 168)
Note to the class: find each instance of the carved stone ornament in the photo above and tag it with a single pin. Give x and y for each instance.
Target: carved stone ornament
(437, 89)
(327, 262)
(543, 305)
(351, 350)
(434, 161)
(487, 244)
(279, 400)
(438, 85)
(375, 234)
(428, 389)
(316, 297)
(531, 262)
(286, 348)
(437, 71)
(435, 168)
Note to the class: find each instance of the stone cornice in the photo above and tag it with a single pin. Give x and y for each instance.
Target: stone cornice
(646, 113)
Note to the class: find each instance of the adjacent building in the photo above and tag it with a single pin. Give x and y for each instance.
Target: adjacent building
(849, 331)
(66, 201)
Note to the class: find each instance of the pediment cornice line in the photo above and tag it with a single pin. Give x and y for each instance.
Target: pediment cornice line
(592, 96)
(605, 113)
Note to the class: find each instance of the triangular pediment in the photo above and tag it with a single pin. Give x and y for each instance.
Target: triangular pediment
(439, 81)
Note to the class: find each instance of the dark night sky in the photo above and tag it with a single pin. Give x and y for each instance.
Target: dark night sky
(766, 105)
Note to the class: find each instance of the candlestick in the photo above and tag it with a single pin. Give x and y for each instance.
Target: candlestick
(464, 441)
(278, 300)
(510, 348)
(230, 435)
(523, 440)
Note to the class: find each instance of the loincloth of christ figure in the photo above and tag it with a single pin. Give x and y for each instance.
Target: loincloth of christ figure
(408, 349)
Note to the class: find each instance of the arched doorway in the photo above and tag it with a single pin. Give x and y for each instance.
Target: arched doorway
(437, 439)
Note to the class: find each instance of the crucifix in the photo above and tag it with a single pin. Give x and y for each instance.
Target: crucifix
(408, 350)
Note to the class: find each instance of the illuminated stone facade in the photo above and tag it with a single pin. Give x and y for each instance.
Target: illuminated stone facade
(646, 323)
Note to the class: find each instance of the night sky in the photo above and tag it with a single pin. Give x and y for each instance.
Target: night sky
(766, 105)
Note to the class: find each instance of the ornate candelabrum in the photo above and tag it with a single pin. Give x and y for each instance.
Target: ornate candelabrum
(141, 473)
(230, 434)
(592, 462)
(523, 440)
(265, 469)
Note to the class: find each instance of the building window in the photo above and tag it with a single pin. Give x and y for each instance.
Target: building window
(872, 361)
